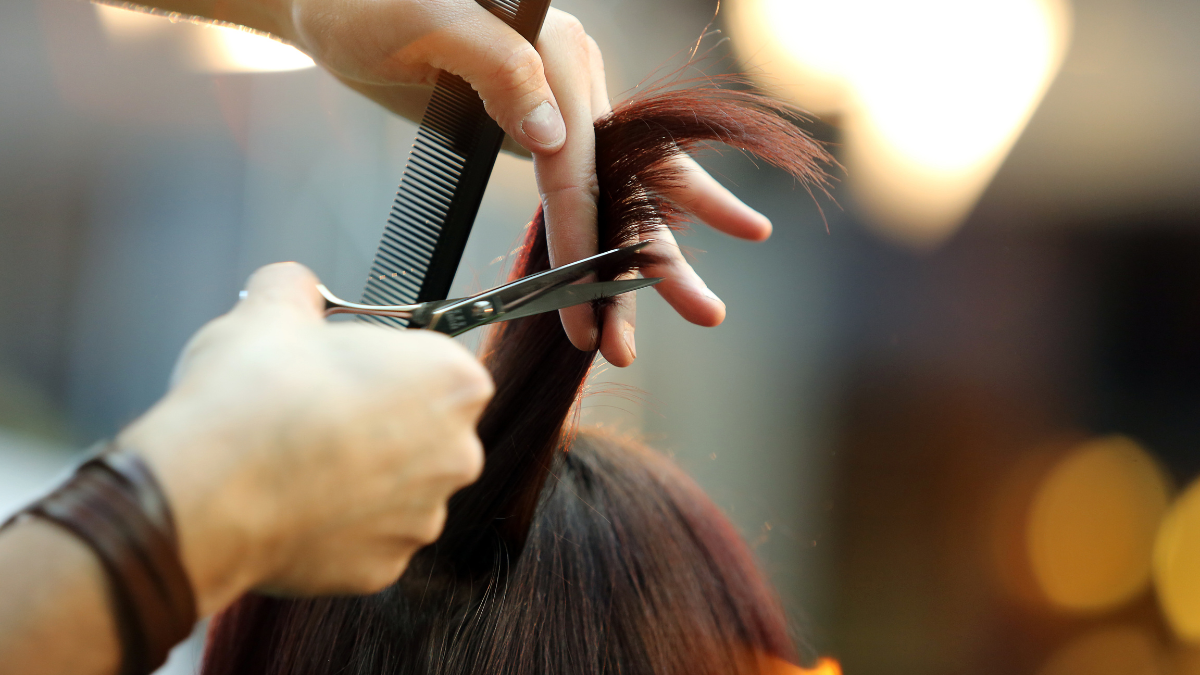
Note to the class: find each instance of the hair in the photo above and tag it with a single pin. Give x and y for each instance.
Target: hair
(576, 551)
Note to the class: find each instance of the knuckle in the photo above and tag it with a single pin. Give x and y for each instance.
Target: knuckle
(471, 466)
(594, 53)
(587, 190)
(434, 347)
(448, 369)
(223, 330)
(571, 31)
(472, 380)
(383, 575)
(594, 47)
(520, 72)
(431, 528)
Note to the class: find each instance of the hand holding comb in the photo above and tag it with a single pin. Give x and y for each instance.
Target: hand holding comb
(443, 184)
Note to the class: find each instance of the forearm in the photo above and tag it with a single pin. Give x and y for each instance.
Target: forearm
(55, 610)
(268, 16)
(58, 606)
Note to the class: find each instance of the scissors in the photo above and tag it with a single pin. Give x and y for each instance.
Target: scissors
(543, 292)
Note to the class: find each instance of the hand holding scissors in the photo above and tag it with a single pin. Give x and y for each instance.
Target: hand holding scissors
(543, 292)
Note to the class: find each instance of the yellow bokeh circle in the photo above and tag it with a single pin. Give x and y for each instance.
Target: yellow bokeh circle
(1177, 565)
(1092, 524)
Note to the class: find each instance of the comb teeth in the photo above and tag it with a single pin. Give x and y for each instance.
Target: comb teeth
(443, 184)
(506, 7)
(434, 206)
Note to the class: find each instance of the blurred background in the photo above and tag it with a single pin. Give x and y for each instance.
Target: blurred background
(955, 408)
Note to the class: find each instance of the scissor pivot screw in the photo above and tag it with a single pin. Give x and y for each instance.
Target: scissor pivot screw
(482, 309)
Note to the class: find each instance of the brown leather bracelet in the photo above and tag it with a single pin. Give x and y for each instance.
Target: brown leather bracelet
(113, 503)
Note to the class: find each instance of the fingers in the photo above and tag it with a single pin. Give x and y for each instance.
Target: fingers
(601, 105)
(506, 71)
(567, 179)
(701, 195)
(287, 286)
(460, 387)
(617, 341)
(681, 287)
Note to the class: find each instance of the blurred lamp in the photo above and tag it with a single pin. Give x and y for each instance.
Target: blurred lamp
(229, 50)
(1092, 524)
(210, 48)
(125, 25)
(932, 94)
(1177, 566)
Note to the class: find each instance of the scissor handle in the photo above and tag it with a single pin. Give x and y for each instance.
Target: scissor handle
(335, 305)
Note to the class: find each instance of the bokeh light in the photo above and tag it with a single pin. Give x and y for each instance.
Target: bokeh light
(1118, 650)
(229, 50)
(932, 93)
(124, 24)
(824, 666)
(204, 47)
(1177, 566)
(1092, 524)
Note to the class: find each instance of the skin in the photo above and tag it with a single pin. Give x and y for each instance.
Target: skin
(392, 50)
(272, 413)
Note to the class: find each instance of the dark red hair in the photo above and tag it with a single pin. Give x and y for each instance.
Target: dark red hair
(578, 552)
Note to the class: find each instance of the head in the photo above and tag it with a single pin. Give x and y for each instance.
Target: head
(576, 551)
(627, 567)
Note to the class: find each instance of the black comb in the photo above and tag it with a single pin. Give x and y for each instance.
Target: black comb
(443, 183)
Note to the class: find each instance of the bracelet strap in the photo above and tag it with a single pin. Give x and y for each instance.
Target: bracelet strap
(114, 504)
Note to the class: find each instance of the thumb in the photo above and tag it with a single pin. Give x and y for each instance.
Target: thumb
(288, 286)
(507, 73)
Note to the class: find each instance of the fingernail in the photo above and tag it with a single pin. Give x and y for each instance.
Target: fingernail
(707, 292)
(544, 125)
(628, 335)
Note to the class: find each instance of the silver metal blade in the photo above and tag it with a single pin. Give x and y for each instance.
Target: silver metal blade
(531, 287)
(484, 308)
(577, 294)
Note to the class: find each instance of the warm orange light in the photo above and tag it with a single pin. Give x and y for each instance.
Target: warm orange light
(1177, 566)
(229, 50)
(205, 47)
(824, 666)
(1092, 524)
(1120, 650)
(933, 93)
(125, 24)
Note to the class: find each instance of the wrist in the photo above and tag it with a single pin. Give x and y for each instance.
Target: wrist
(218, 544)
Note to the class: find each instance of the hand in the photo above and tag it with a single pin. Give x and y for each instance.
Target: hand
(546, 100)
(304, 457)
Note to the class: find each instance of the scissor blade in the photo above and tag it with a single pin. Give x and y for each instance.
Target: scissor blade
(525, 290)
(577, 294)
(484, 308)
